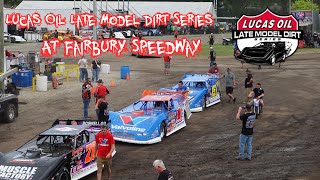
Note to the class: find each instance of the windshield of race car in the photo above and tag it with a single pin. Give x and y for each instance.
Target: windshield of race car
(55, 144)
(155, 105)
(195, 84)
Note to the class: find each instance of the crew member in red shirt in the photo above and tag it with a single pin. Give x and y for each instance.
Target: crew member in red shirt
(214, 70)
(105, 145)
(101, 90)
(167, 60)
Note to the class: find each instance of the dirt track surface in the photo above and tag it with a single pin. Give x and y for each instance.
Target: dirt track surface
(286, 140)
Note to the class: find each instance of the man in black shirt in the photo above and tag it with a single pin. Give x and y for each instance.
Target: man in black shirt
(211, 39)
(103, 111)
(160, 168)
(258, 93)
(246, 135)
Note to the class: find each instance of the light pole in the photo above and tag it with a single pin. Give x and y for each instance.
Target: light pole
(95, 14)
(289, 6)
(2, 57)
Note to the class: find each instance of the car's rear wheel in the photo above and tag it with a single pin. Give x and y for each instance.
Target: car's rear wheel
(162, 130)
(10, 113)
(273, 60)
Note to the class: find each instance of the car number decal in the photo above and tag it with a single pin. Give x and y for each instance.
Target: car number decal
(214, 91)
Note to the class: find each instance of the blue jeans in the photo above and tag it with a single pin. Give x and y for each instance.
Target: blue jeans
(83, 74)
(95, 74)
(212, 63)
(86, 104)
(245, 140)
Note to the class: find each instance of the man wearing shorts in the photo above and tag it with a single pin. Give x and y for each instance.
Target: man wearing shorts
(166, 59)
(258, 93)
(230, 84)
(104, 147)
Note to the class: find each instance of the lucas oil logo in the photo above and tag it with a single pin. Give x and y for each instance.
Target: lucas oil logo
(17, 172)
(266, 38)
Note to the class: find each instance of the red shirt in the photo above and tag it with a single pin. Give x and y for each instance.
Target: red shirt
(166, 58)
(213, 70)
(104, 144)
(101, 90)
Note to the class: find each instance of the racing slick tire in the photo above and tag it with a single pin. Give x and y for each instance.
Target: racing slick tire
(283, 58)
(273, 60)
(10, 113)
(63, 174)
(150, 33)
(163, 130)
(203, 103)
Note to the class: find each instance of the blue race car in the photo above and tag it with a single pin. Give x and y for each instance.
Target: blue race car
(204, 90)
(157, 115)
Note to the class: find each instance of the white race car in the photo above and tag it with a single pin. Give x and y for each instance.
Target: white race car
(12, 38)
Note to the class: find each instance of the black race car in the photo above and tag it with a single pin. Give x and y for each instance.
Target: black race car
(265, 53)
(62, 152)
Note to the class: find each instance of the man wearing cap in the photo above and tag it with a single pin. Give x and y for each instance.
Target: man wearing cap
(214, 70)
(101, 90)
(105, 146)
(246, 135)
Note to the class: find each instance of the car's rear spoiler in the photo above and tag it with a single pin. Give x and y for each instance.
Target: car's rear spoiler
(75, 122)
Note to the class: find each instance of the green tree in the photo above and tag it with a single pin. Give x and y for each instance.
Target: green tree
(305, 5)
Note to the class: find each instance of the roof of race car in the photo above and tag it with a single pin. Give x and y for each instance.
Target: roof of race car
(197, 78)
(157, 98)
(70, 130)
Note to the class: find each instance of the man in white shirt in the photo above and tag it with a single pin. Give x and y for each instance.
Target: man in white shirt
(83, 64)
(21, 59)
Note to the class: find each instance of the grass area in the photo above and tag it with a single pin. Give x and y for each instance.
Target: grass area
(221, 50)
(227, 50)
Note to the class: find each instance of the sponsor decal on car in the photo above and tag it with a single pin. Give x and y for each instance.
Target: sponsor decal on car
(128, 128)
(17, 172)
(265, 31)
(127, 120)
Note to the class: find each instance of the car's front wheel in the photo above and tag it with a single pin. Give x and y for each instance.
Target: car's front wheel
(203, 103)
(283, 57)
(273, 60)
(63, 174)
(10, 113)
(163, 130)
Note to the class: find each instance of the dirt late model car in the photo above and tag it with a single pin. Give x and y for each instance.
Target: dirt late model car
(204, 90)
(62, 152)
(265, 53)
(156, 115)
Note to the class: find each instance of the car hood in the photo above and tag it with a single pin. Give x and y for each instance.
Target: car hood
(127, 122)
(14, 165)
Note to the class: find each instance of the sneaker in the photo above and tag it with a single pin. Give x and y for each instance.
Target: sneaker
(249, 159)
(87, 118)
(234, 100)
(239, 158)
